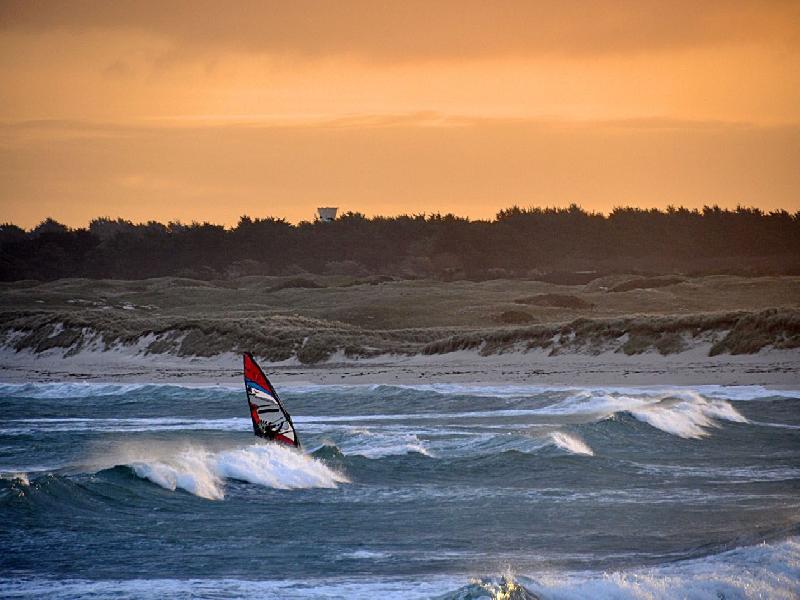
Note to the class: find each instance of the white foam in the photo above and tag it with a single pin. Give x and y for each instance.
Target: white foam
(274, 466)
(362, 442)
(688, 418)
(756, 572)
(19, 477)
(133, 424)
(763, 571)
(89, 389)
(686, 413)
(79, 389)
(360, 588)
(775, 425)
(571, 443)
(67, 390)
(363, 555)
(727, 392)
(202, 472)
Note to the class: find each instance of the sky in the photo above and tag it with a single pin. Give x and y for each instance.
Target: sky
(206, 111)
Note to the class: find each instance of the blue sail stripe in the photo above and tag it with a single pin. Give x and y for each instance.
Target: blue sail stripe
(253, 384)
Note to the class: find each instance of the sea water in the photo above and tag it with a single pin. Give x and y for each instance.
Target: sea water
(444, 491)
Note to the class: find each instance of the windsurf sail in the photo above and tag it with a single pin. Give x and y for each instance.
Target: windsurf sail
(270, 419)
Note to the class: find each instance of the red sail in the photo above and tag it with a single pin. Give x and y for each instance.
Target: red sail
(270, 419)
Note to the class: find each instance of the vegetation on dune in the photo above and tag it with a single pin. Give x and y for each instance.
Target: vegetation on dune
(751, 333)
(274, 338)
(313, 318)
(561, 246)
(312, 341)
(738, 333)
(514, 317)
(555, 301)
(295, 282)
(646, 283)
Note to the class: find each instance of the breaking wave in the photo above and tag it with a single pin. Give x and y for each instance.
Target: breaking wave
(87, 389)
(737, 392)
(202, 471)
(767, 570)
(370, 444)
(571, 443)
(118, 425)
(18, 477)
(84, 389)
(761, 571)
(685, 414)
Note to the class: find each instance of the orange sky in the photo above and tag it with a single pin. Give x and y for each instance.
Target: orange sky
(210, 110)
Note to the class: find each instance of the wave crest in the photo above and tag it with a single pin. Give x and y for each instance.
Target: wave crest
(372, 444)
(202, 472)
(571, 443)
(682, 413)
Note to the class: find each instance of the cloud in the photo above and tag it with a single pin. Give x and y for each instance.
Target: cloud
(420, 29)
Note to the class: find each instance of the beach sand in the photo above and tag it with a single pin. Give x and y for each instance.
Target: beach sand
(774, 368)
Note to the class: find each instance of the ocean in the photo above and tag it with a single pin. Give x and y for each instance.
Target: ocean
(438, 491)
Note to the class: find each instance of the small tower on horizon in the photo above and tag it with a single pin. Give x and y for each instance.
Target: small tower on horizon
(327, 213)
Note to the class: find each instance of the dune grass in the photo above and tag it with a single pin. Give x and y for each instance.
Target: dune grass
(556, 301)
(312, 341)
(737, 333)
(314, 318)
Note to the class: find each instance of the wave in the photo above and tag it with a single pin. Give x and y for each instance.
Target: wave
(20, 477)
(682, 412)
(732, 392)
(775, 425)
(363, 555)
(767, 570)
(686, 414)
(90, 389)
(286, 589)
(503, 588)
(370, 444)
(762, 571)
(445, 443)
(203, 471)
(687, 418)
(571, 443)
(119, 425)
(66, 390)
(82, 389)
(738, 474)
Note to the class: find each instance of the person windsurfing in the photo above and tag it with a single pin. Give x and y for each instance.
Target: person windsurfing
(270, 419)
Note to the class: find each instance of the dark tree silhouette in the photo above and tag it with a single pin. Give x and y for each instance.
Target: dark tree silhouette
(519, 242)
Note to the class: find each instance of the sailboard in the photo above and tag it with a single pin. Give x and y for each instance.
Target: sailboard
(270, 419)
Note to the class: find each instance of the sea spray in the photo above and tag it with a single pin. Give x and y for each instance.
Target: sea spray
(18, 477)
(191, 470)
(372, 444)
(682, 413)
(203, 469)
(689, 417)
(274, 466)
(571, 443)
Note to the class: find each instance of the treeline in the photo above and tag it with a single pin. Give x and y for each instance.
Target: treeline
(519, 242)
